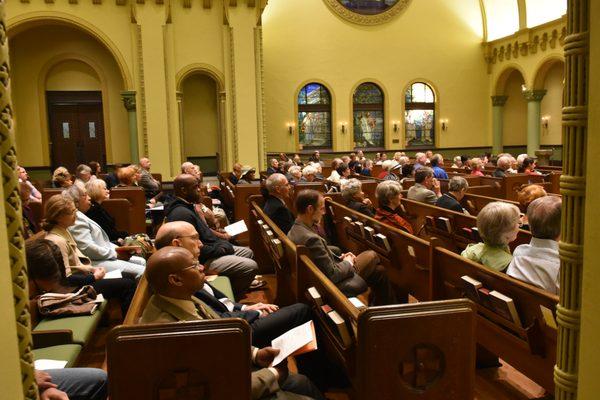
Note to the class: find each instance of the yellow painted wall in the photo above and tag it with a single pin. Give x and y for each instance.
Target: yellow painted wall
(34, 52)
(552, 105)
(434, 40)
(589, 368)
(200, 120)
(515, 112)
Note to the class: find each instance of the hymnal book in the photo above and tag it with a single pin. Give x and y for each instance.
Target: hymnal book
(278, 247)
(348, 220)
(411, 251)
(484, 298)
(315, 296)
(549, 318)
(443, 224)
(296, 341)
(369, 233)
(260, 222)
(430, 222)
(471, 287)
(236, 228)
(505, 306)
(270, 235)
(467, 232)
(340, 325)
(326, 308)
(360, 228)
(382, 241)
(357, 303)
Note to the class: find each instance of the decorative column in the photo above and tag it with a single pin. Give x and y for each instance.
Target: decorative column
(572, 188)
(498, 103)
(224, 155)
(14, 220)
(179, 97)
(129, 102)
(534, 103)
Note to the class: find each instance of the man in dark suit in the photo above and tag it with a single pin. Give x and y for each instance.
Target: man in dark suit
(350, 273)
(457, 187)
(268, 321)
(275, 206)
(274, 167)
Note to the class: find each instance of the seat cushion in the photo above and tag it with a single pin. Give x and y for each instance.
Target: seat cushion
(82, 326)
(223, 284)
(64, 352)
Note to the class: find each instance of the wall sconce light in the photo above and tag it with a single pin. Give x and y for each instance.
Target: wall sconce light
(545, 121)
(343, 126)
(395, 125)
(444, 123)
(290, 127)
(523, 88)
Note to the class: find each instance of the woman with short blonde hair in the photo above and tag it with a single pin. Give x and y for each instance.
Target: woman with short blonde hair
(98, 194)
(389, 196)
(498, 225)
(61, 178)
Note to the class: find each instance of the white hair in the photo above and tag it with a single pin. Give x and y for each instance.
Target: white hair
(388, 164)
(309, 170)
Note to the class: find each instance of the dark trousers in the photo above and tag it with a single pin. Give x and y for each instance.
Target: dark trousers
(368, 267)
(265, 329)
(121, 289)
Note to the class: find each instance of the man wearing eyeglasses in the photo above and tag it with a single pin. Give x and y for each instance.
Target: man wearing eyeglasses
(175, 275)
(218, 255)
(275, 205)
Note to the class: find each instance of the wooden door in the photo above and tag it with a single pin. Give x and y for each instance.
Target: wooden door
(76, 128)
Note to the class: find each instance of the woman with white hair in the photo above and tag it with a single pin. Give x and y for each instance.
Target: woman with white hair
(389, 195)
(355, 198)
(498, 225)
(295, 173)
(309, 173)
(457, 162)
(98, 193)
(95, 244)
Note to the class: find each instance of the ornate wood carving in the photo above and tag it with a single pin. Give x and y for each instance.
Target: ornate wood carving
(142, 87)
(14, 220)
(361, 19)
(572, 188)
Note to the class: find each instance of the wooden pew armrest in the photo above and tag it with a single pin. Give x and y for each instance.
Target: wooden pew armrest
(57, 337)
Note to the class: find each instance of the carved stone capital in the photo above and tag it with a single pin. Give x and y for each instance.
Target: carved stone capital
(179, 96)
(499, 100)
(128, 100)
(534, 95)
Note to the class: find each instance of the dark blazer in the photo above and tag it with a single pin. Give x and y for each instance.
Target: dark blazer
(499, 173)
(99, 215)
(449, 202)
(341, 273)
(214, 247)
(214, 303)
(361, 208)
(279, 213)
(272, 170)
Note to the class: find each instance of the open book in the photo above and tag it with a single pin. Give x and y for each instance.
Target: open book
(296, 341)
(236, 228)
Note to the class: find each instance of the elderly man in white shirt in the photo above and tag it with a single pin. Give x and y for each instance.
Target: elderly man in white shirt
(538, 262)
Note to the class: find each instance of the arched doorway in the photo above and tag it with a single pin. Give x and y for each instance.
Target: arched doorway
(66, 95)
(202, 139)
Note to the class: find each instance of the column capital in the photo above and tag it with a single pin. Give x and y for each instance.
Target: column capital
(128, 98)
(179, 96)
(534, 95)
(499, 100)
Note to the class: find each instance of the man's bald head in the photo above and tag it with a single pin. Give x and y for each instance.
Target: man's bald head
(165, 272)
(187, 187)
(179, 234)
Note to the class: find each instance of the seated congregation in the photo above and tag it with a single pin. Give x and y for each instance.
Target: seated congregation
(341, 240)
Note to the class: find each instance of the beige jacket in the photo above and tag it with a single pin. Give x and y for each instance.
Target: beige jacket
(74, 259)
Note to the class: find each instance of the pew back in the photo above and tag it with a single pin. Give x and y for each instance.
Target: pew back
(136, 196)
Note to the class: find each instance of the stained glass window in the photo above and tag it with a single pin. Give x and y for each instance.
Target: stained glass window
(368, 116)
(419, 116)
(314, 117)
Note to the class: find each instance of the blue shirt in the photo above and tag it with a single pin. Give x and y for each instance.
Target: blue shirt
(439, 173)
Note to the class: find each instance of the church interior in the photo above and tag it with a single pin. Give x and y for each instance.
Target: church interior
(337, 135)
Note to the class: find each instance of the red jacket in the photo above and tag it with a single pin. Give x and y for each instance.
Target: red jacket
(387, 216)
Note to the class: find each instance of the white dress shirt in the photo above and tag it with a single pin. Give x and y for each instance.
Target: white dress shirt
(537, 263)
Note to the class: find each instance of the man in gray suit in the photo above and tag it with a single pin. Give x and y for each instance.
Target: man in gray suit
(350, 273)
(426, 188)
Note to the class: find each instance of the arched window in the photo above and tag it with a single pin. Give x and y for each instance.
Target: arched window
(419, 116)
(368, 116)
(314, 117)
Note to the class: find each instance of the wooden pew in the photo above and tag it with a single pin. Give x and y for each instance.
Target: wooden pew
(121, 211)
(529, 346)
(457, 239)
(406, 261)
(137, 198)
(374, 355)
(49, 192)
(474, 203)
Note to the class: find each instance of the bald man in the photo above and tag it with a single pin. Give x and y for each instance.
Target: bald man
(268, 321)
(151, 186)
(175, 275)
(219, 256)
